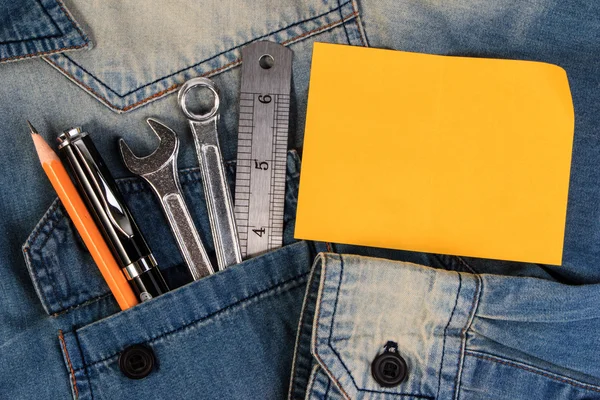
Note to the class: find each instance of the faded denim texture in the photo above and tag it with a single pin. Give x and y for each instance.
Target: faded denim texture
(274, 326)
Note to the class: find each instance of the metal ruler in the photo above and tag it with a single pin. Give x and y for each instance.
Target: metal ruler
(262, 146)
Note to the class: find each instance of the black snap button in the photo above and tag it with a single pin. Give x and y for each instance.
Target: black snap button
(136, 361)
(389, 368)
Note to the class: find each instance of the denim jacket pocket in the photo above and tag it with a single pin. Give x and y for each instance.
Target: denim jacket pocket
(64, 274)
(460, 335)
(230, 335)
(237, 325)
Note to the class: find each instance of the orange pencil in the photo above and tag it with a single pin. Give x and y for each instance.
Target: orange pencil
(83, 221)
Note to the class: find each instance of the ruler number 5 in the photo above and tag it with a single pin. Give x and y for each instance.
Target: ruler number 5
(261, 165)
(265, 99)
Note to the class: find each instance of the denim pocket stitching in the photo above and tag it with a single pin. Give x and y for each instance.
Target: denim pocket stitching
(339, 9)
(305, 324)
(466, 265)
(43, 53)
(61, 337)
(39, 285)
(532, 369)
(93, 300)
(445, 335)
(55, 61)
(465, 332)
(299, 279)
(73, 22)
(359, 25)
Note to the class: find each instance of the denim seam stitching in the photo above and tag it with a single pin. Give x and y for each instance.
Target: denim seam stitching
(42, 223)
(54, 215)
(324, 366)
(532, 369)
(445, 332)
(30, 39)
(51, 276)
(84, 304)
(311, 379)
(316, 329)
(463, 348)
(328, 387)
(170, 89)
(360, 26)
(339, 8)
(207, 316)
(43, 53)
(333, 24)
(466, 265)
(301, 324)
(71, 370)
(207, 59)
(357, 23)
(72, 21)
(27, 250)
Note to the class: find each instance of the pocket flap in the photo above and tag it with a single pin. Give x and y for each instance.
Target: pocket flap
(365, 303)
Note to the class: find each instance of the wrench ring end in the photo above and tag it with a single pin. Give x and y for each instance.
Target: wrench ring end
(184, 91)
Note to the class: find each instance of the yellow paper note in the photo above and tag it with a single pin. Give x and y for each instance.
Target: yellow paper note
(452, 155)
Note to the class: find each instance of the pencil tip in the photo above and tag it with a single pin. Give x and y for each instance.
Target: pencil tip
(31, 128)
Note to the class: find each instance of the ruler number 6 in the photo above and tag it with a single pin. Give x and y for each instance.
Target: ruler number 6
(265, 99)
(261, 165)
(259, 232)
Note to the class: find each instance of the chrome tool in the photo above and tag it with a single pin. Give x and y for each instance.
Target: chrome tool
(214, 180)
(111, 214)
(159, 169)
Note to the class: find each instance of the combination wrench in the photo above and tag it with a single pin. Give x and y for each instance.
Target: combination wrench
(216, 189)
(159, 169)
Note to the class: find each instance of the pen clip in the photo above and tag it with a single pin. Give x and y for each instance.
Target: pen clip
(110, 203)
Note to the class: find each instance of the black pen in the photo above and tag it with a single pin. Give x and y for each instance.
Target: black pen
(105, 203)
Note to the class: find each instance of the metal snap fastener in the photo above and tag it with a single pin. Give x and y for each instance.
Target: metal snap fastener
(136, 362)
(389, 369)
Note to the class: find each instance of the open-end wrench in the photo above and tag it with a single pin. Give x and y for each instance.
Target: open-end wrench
(214, 180)
(159, 169)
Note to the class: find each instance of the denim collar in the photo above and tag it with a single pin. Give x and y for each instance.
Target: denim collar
(33, 28)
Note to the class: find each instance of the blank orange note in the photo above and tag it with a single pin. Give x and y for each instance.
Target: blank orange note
(452, 155)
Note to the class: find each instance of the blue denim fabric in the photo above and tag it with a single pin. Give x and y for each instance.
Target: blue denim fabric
(30, 28)
(462, 335)
(468, 328)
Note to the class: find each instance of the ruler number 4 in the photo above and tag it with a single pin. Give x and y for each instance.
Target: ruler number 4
(259, 232)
